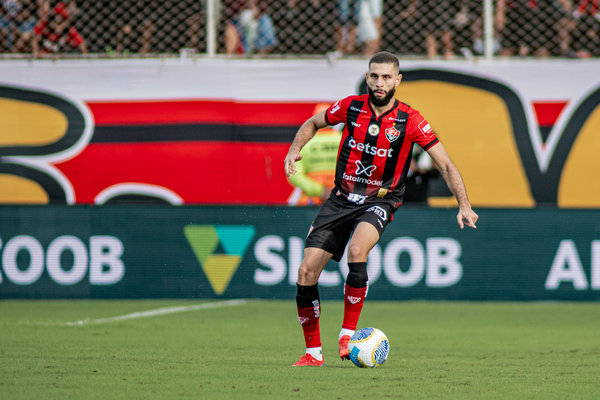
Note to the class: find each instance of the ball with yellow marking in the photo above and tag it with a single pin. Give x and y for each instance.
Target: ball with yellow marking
(368, 348)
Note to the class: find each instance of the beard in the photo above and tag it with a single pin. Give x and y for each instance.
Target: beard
(381, 102)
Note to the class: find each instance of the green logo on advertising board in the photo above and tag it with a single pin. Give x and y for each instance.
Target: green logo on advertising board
(219, 268)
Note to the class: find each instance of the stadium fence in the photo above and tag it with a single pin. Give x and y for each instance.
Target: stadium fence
(239, 28)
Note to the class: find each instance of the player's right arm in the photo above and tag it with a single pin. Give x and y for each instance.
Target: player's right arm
(306, 132)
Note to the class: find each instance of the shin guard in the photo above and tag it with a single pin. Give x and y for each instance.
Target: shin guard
(309, 312)
(355, 292)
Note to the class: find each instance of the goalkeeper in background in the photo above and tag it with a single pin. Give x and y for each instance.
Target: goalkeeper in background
(315, 173)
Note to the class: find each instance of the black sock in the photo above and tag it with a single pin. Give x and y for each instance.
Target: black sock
(357, 277)
(306, 296)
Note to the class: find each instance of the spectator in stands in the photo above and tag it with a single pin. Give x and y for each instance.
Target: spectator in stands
(16, 24)
(304, 26)
(437, 17)
(193, 32)
(249, 27)
(564, 24)
(535, 27)
(369, 26)
(130, 40)
(147, 31)
(346, 22)
(471, 13)
(293, 3)
(55, 33)
(587, 32)
(26, 21)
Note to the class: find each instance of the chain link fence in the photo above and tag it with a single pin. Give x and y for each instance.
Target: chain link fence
(410, 28)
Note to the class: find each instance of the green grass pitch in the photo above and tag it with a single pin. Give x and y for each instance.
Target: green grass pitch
(438, 350)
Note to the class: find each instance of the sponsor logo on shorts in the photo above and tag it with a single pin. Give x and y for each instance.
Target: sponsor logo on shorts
(356, 198)
(379, 211)
(361, 169)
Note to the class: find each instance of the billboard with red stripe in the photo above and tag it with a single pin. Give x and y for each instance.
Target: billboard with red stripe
(216, 131)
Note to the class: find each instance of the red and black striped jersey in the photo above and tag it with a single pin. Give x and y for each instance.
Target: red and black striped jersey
(375, 152)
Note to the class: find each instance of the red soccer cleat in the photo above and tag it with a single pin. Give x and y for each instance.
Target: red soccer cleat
(344, 347)
(309, 361)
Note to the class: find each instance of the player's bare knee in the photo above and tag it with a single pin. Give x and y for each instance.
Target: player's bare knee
(356, 253)
(307, 276)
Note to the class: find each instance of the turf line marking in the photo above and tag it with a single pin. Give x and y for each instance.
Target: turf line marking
(159, 311)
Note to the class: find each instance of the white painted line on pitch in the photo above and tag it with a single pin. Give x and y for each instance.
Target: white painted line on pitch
(160, 311)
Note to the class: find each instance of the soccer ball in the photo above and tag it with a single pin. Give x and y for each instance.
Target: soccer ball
(368, 348)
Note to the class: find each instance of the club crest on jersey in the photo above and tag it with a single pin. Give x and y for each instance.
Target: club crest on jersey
(373, 130)
(392, 134)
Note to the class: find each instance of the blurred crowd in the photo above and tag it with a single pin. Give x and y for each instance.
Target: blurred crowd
(440, 28)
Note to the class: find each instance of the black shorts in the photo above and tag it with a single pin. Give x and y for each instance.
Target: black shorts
(333, 226)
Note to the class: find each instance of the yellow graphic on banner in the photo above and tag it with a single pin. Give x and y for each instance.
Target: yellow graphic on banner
(579, 184)
(481, 143)
(29, 124)
(219, 268)
(18, 190)
(37, 131)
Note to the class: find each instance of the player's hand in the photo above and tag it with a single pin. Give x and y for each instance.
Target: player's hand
(467, 217)
(290, 162)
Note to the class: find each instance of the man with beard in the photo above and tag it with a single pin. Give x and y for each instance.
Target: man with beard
(373, 160)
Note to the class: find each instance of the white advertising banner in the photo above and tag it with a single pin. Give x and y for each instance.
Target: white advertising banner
(279, 80)
(523, 132)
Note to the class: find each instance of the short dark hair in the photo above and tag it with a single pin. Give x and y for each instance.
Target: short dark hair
(385, 57)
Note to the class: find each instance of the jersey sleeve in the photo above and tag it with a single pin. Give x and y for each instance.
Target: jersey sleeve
(336, 113)
(419, 131)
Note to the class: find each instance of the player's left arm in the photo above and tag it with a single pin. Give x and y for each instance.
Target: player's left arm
(466, 216)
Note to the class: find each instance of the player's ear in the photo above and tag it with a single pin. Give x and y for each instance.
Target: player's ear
(398, 79)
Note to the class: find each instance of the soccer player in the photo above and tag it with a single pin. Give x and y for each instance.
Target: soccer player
(372, 163)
